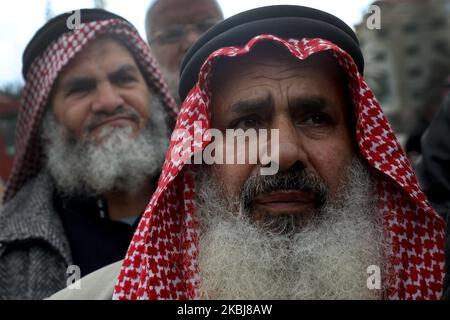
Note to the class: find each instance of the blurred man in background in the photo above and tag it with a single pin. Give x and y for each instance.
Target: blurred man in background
(172, 26)
(91, 139)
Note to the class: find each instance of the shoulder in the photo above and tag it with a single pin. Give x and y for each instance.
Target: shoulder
(31, 233)
(36, 191)
(32, 206)
(98, 285)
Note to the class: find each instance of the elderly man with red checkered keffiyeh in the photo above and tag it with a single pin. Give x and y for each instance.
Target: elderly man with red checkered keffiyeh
(342, 218)
(91, 137)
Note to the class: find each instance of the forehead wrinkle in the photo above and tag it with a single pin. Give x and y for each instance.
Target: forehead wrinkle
(255, 72)
(257, 86)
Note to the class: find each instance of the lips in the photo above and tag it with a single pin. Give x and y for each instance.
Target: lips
(285, 201)
(119, 121)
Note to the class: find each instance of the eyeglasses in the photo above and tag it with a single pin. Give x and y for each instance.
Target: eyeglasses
(177, 32)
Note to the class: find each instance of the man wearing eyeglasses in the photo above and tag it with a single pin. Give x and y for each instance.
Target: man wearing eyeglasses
(172, 26)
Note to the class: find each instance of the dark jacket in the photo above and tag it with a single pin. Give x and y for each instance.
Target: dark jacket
(433, 171)
(34, 250)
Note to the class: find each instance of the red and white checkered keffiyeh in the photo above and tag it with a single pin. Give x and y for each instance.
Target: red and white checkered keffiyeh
(161, 262)
(42, 75)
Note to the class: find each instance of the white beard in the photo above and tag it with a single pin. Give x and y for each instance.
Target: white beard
(326, 259)
(120, 163)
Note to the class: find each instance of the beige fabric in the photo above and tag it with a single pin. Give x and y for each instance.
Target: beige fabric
(98, 285)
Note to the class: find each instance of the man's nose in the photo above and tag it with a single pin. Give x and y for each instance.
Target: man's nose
(107, 98)
(290, 147)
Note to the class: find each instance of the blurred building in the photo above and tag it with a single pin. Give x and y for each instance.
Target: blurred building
(408, 59)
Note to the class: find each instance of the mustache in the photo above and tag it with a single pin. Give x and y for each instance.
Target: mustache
(102, 116)
(295, 179)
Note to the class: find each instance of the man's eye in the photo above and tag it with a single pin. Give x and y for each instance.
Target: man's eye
(318, 119)
(247, 123)
(172, 34)
(124, 79)
(204, 26)
(79, 89)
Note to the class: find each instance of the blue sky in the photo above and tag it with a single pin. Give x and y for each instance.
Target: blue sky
(19, 19)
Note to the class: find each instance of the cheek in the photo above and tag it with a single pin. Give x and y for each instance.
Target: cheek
(72, 117)
(235, 168)
(140, 102)
(232, 177)
(330, 160)
(167, 56)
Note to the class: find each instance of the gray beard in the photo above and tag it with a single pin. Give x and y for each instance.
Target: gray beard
(173, 82)
(326, 258)
(120, 163)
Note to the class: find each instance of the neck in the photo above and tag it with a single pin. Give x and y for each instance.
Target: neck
(123, 205)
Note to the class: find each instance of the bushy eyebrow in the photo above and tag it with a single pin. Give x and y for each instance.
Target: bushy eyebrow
(307, 103)
(127, 69)
(80, 81)
(257, 105)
